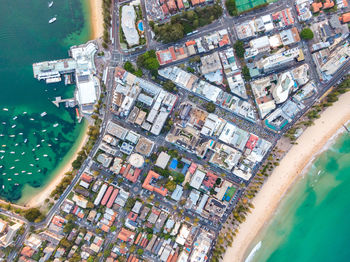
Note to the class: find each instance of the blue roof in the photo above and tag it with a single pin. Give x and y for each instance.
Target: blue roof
(184, 169)
(173, 164)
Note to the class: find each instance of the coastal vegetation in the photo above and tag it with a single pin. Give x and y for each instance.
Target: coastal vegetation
(186, 22)
(106, 11)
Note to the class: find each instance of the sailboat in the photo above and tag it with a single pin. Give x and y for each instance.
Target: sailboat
(50, 4)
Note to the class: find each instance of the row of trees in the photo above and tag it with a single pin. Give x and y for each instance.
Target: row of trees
(186, 22)
(106, 11)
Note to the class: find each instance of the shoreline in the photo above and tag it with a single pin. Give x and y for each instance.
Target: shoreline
(96, 18)
(43, 193)
(297, 160)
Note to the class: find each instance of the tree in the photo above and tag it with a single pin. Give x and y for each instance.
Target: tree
(32, 214)
(210, 107)
(140, 251)
(169, 86)
(231, 7)
(129, 67)
(246, 73)
(306, 34)
(239, 48)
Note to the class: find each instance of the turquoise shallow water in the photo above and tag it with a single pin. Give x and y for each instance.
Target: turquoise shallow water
(32, 146)
(312, 223)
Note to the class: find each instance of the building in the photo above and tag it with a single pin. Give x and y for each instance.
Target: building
(162, 160)
(210, 63)
(150, 184)
(128, 19)
(197, 179)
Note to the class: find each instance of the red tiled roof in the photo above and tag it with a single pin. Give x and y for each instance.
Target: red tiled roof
(126, 235)
(146, 184)
(252, 141)
(85, 177)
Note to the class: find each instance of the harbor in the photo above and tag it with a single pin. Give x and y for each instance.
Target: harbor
(82, 65)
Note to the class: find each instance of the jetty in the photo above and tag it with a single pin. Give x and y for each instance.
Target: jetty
(70, 102)
(346, 128)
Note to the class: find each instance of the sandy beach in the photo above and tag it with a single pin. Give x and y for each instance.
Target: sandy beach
(44, 193)
(96, 18)
(310, 143)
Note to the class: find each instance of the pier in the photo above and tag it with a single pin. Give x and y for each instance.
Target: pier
(70, 102)
(346, 128)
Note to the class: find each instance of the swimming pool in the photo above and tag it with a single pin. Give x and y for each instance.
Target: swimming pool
(140, 26)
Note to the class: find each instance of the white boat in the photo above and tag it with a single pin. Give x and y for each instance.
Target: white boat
(5, 109)
(29, 173)
(43, 131)
(25, 140)
(45, 155)
(37, 158)
(43, 114)
(21, 134)
(31, 164)
(12, 152)
(3, 187)
(24, 113)
(14, 118)
(9, 179)
(33, 149)
(42, 140)
(55, 125)
(12, 167)
(23, 171)
(23, 153)
(31, 119)
(16, 160)
(50, 4)
(49, 144)
(16, 184)
(13, 126)
(0, 166)
(11, 135)
(4, 123)
(16, 144)
(37, 145)
(2, 151)
(16, 174)
(53, 19)
(1, 157)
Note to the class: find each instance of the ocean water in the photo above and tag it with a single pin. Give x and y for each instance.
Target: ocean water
(312, 222)
(32, 146)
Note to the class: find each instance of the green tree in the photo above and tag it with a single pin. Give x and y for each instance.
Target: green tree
(239, 48)
(32, 214)
(306, 34)
(129, 67)
(169, 86)
(210, 107)
(231, 7)
(246, 73)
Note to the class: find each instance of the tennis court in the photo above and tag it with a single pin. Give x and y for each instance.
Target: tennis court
(244, 5)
